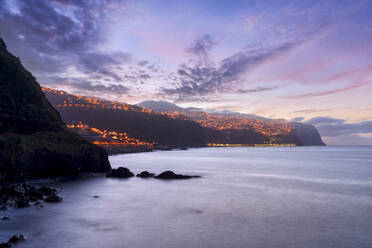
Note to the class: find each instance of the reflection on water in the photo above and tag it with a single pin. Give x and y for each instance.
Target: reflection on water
(248, 197)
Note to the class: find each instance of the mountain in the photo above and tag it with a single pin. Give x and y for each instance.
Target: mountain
(307, 134)
(160, 106)
(131, 121)
(33, 139)
(237, 128)
(118, 124)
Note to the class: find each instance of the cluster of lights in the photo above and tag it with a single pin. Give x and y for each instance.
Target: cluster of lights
(109, 138)
(215, 121)
(221, 122)
(70, 100)
(245, 145)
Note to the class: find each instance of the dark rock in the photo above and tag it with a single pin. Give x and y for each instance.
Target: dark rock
(3, 208)
(5, 218)
(5, 245)
(19, 202)
(35, 194)
(48, 191)
(34, 142)
(53, 199)
(19, 190)
(16, 238)
(38, 205)
(96, 196)
(120, 172)
(162, 148)
(171, 175)
(22, 195)
(145, 174)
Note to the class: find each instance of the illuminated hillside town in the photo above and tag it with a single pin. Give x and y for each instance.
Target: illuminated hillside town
(270, 128)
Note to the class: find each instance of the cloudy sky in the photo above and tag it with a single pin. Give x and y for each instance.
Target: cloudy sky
(308, 61)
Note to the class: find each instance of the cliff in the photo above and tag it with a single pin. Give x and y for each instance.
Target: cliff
(307, 134)
(33, 140)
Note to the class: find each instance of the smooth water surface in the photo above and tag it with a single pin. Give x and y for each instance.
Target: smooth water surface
(247, 197)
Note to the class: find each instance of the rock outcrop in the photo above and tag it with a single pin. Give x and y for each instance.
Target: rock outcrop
(33, 140)
(145, 174)
(169, 175)
(25, 195)
(120, 172)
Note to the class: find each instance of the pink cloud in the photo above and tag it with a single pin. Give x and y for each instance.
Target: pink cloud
(354, 85)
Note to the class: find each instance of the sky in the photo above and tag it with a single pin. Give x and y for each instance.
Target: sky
(306, 61)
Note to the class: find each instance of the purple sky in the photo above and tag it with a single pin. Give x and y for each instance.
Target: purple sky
(304, 60)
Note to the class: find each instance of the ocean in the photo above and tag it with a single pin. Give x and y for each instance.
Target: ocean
(247, 197)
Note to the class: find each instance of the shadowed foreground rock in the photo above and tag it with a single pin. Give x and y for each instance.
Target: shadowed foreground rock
(15, 239)
(53, 199)
(145, 174)
(5, 245)
(166, 175)
(120, 172)
(34, 142)
(22, 195)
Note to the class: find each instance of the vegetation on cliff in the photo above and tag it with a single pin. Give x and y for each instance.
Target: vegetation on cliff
(33, 139)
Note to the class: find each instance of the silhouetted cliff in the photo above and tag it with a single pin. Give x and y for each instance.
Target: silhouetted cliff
(33, 140)
(307, 134)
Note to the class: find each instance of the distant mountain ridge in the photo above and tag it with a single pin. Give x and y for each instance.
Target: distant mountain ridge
(160, 106)
(302, 134)
(137, 122)
(168, 124)
(168, 107)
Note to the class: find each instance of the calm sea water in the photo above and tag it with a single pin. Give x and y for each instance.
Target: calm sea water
(248, 197)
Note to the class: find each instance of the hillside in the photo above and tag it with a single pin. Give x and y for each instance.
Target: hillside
(33, 139)
(119, 124)
(137, 122)
(237, 128)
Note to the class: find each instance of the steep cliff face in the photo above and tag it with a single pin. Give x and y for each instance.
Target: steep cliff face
(33, 140)
(307, 134)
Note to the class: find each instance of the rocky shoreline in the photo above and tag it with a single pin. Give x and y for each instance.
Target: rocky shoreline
(26, 195)
(139, 149)
(123, 172)
(22, 196)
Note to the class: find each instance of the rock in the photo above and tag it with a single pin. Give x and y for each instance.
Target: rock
(38, 205)
(35, 194)
(19, 189)
(53, 199)
(3, 208)
(145, 174)
(5, 218)
(48, 191)
(120, 172)
(16, 238)
(5, 245)
(96, 196)
(162, 147)
(22, 195)
(172, 175)
(20, 202)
